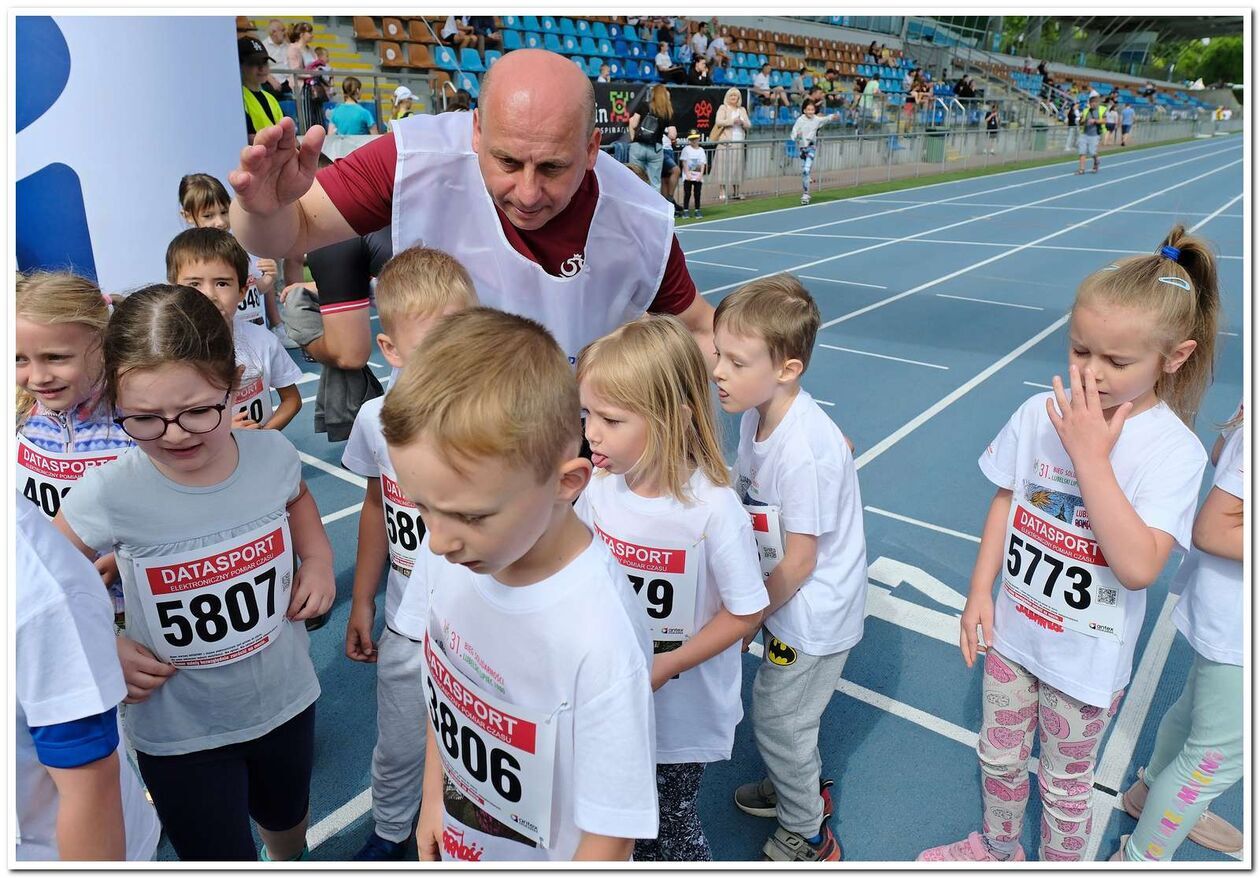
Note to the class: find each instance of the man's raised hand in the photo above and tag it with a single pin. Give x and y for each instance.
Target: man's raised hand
(274, 171)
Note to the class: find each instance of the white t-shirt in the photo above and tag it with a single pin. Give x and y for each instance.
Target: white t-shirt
(67, 669)
(699, 42)
(761, 81)
(267, 366)
(806, 470)
(277, 52)
(693, 159)
(718, 44)
(696, 714)
(449, 27)
(1158, 463)
(1210, 612)
(367, 456)
(663, 61)
(569, 647)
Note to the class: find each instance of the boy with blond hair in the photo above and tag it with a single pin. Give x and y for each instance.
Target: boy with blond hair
(213, 262)
(796, 476)
(415, 289)
(541, 744)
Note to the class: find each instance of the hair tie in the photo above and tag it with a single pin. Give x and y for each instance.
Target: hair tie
(1171, 252)
(1112, 267)
(1176, 282)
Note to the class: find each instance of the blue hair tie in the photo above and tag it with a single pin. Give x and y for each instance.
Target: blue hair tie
(1170, 251)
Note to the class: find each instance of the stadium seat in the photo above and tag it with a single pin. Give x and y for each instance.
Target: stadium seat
(579, 61)
(787, 115)
(762, 116)
(551, 41)
(647, 72)
(621, 49)
(468, 82)
(739, 59)
(444, 58)
(419, 56)
(719, 76)
(533, 40)
(599, 30)
(547, 23)
(566, 26)
(512, 40)
(615, 31)
(762, 60)
(568, 41)
(588, 46)
(418, 31)
(616, 70)
(365, 28)
(636, 51)
(492, 56)
(530, 22)
(393, 29)
(510, 22)
(592, 67)
(391, 54)
(742, 77)
(470, 59)
(605, 48)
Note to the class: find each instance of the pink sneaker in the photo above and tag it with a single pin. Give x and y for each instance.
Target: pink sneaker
(970, 849)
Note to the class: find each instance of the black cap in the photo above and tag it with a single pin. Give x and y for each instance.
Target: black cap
(251, 51)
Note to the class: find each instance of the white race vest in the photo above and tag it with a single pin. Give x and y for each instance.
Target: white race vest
(402, 526)
(45, 477)
(664, 578)
(1057, 576)
(768, 530)
(501, 758)
(440, 200)
(216, 605)
(254, 398)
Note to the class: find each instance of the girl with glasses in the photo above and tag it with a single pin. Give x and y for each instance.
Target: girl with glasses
(222, 556)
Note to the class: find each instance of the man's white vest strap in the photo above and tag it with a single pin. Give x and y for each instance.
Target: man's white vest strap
(440, 200)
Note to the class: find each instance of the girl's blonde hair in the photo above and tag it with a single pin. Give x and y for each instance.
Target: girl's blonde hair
(51, 298)
(200, 191)
(1177, 285)
(168, 323)
(653, 367)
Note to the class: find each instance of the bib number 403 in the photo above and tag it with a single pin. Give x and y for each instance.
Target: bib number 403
(213, 617)
(463, 743)
(1076, 594)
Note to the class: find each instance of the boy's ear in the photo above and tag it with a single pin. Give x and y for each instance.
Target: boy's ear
(575, 474)
(390, 351)
(791, 370)
(237, 375)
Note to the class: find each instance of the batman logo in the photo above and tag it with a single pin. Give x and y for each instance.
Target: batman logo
(780, 653)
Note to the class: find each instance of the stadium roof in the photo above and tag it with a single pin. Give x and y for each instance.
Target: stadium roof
(1179, 27)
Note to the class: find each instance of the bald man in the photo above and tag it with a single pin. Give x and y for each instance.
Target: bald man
(519, 191)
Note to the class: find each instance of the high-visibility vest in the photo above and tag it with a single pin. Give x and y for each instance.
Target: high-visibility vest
(1102, 117)
(254, 109)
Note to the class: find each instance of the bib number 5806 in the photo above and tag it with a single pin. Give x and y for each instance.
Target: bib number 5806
(1077, 592)
(463, 743)
(213, 617)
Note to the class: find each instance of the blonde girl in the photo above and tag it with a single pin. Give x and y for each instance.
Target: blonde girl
(1199, 746)
(222, 555)
(204, 202)
(662, 502)
(1095, 489)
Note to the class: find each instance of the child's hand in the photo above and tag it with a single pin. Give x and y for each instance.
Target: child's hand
(663, 669)
(267, 266)
(1083, 429)
(107, 567)
(359, 645)
(978, 612)
(314, 588)
(284, 294)
(143, 672)
(242, 421)
(429, 830)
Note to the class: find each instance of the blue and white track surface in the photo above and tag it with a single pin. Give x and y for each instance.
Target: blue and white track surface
(944, 307)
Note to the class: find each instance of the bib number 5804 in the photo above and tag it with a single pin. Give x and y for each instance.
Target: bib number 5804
(1077, 592)
(213, 617)
(463, 743)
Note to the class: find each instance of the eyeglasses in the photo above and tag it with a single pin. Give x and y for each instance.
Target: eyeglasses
(199, 419)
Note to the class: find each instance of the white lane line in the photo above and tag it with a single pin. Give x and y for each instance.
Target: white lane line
(832, 280)
(1114, 763)
(953, 198)
(344, 474)
(1231, 334)
(966, 244)
(949, 399)
(307, 377)
(832, 347)
(882, 302)
(720, 265)
(1042, 386)
(968, 220)
(374, 317)
(308, 399)
(991, 302)
(923, 524)
(376, 365)
(339, 819)
(1185, 214)
(341, 513)
(824, 402)
(1214, 214)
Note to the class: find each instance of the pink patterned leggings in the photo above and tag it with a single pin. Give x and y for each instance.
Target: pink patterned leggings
(1069, 733)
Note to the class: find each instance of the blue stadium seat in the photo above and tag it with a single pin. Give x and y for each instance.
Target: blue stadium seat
(512, 40)
(616, 70)
(787, 115)
(468, 82)
(492, 56)
(778, 77)
(582, 26)
(762, 60)
(581, 62)
(533, 40)
(510, 22)
(551, 41)
(600, 31)
(762, 116)
(469, 59)
(592, 67)
(615, 31)
(444, 58)
(566, 26)
(789, 148)
(588, 46)
(742, 77)
(621, 49)
(547, 23)
(636, 51)
(646, 34)
(605, 48)
(530, 22)
(719, 76)
(739, 59)
(647, 72)
(570, 43)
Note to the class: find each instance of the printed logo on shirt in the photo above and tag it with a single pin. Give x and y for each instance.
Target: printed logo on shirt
(1055, 473)
(467, 654)
(573, 265)
(453, 845)
(1066, 507)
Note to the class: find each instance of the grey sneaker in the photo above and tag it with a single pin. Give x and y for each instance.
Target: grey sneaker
(759, 799)
(786, 846)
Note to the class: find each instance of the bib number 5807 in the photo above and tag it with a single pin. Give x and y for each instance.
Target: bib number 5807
(213, 617)
(463, 743)
(1077, 592)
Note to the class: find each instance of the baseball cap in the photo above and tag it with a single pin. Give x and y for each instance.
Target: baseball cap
(402, 93)
(251, 50)
(693, 135)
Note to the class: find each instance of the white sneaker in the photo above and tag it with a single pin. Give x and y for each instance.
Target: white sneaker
(289, 344)
(805, 198)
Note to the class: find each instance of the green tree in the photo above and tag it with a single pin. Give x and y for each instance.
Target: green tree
(1222, 60)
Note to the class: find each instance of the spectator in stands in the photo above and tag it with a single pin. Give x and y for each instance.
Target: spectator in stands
(605, 73)
(1043, 70)
(922, 91)
(457, 32)
(301, 55)
(796, 88)
(718, 53)
(665, 31)
(908, 78)
(885, 54)
(873, 51)
(277, 46)
(1148, 90)
(483, 28)
(964, 88)
(699, 73)
(871, 102)
(859, 85)
(665, 66)
(404, 100)
(730, 129)
(1113, 123)
(1126, 123)
(761, 87)
(350, 117)
(651, 116)
(683, 54)
(321, 65)
(461, 102)
(1028, 65)
(533, 103)
(700, 41)
(261, 107)
(834, 96)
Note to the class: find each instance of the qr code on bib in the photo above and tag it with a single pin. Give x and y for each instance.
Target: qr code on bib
(1107, 597)
(770, 552)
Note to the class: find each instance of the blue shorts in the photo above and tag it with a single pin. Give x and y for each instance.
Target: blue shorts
(668, 162)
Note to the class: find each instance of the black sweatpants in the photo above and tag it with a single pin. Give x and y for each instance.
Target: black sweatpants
(690, 186)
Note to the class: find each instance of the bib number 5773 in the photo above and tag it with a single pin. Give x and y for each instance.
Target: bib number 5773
(461, 741)
(1078, 579)
(212, 617)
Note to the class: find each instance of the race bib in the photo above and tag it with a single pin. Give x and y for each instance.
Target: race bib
(499, 758)
(251, 307)
(1055, 571)
(44, 477)
(254, 398)
(664, 578)
(216, 605)
(768, 530)
(402, 526)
